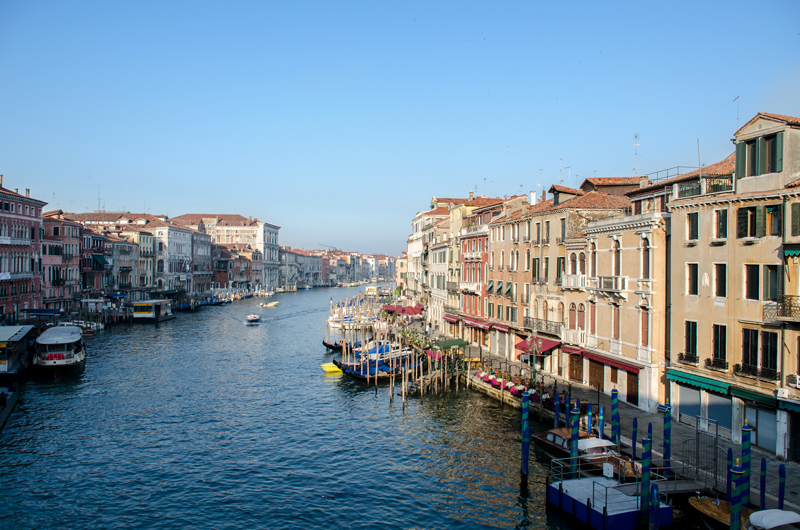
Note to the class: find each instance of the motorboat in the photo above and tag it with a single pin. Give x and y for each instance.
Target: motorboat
(716, 514)
(598, 451)
(556, 442)
(60, 349)
(773, 520)
(253, 319)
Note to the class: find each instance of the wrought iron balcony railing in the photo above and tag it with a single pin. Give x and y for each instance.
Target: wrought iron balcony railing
(716, 364)
(745, 369)
(452, 286)
(719, 184)
(689, 189)
(688, 358)
(769, 374)
(788, 306)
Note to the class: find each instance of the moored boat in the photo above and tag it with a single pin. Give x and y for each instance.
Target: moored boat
(60, 349)
(146, 311)
(716, 514)
(556, 442)
(773, 520)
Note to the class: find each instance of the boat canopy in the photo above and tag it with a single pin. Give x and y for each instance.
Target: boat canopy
(766, 519)
(60, 335)
(584, 444)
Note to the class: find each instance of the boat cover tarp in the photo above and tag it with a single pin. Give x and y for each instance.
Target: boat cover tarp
(451, 343)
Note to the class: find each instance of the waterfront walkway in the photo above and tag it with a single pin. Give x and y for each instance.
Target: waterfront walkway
(680, 432)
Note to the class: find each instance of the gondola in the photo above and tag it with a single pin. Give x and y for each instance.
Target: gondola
(338, 346)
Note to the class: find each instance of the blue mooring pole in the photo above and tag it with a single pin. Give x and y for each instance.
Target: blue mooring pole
(573, 444)
(746, 430)
(763, 484)
(645, 493)
(634, 439)
(589, 417)
(614, 406)
(729, 492)
(655, 505)
(600, 422)
(781, 485)
(526, 442)
(667, 438)
(736, 503)
(556, 404)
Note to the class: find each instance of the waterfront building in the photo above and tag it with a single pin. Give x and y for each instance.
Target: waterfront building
(735, 326)
(124, 266)
(61, 254)
(402, 270)
(94, 265)
(144, 281)
(201, 265)
(20, 253)
(173, 256)
(435, 277)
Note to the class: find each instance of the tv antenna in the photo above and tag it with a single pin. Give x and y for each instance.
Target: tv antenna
(560, 163)
(636, 145)
(736, 100)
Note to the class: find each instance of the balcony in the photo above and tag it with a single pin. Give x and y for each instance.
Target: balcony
(558, 280)
(745, 370)
(559, 241)
(452, 286)
(547, 326)
(66, 257)
(688, 189)
(546, 241)
(526, 239)
(536, 242)
(475, 230)
(472, 255)
(58, 282)
(124, 285)
(515, 240)
(612, 283)
(719, 184)
(574, 336)
(720, 365)
(574, 281)
(788, 308)
(15, 241)
(451, 311)
(24, 275)
(688, 358)
(500, 267)
(769, 374)
(470, 287)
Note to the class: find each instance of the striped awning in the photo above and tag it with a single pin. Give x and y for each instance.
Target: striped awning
(791, 252)
(489, 286)
(758, 397)
(698, 381)
(450, 318)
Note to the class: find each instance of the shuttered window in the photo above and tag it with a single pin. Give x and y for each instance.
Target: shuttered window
(720, 340)
(722, 224)
(796, 218)
(720, 280)
(690, 338)
(760, 156)
(692, 225)
(616, 321)
(693, 284)
(751, 282)
(645, 327)
(750, 347)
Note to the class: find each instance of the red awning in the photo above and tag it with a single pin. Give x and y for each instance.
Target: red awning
(571, 349)
(500, 327)
(389, 308)
(477, 324)
(451, 319)
(612, 362)
(547, 345)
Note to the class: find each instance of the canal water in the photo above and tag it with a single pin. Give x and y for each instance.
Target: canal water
(206, 422)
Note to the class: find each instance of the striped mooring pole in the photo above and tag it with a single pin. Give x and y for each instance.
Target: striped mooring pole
(573, 443)
(729, 466)
(633, 437)
(526, 442)
(655, 504)
(746, 430)
(614, 407)
(589, 417)
(578, 406)
(667, 438)
(736, 502)
(763, 484)
(566, 409)
(781, 485)
(600, 422)
(556, 405)
(645, 492)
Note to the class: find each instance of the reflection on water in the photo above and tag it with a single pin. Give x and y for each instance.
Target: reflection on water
(204, 421)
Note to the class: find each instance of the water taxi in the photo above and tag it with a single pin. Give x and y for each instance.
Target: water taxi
(147, 311)
(253, 319)
(60, 349)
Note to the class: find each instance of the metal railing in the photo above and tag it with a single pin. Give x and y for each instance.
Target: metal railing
(559, 241)
(688, 358)
(451, 311)
(689, 189)
(547, 326)
(716, 364)
(788, 306)
(769, 374)
(452, 286)
(719, 184)
(769, 312)
(545, 241)
(745, 369)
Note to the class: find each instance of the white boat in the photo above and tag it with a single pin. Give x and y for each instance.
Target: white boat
(253, 319)
(60, 349)
(152, 311)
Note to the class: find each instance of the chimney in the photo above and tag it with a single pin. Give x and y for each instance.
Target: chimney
(27, 192)
(16, 190)
(643, 182)
(544, 195)
(471, 195)
(533, 198)
(1, 181)
(505, 197)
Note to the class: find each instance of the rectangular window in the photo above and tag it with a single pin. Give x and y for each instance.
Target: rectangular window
(746, 222)
(721, 228)
(760, 156)
(546, 268)
(547, 230)
(490, 310)
(750, 347)
(692, 226)
(771, 282)
(693, 284)
(774, 220)
(499, 312)
(720, 337)
(593, 318)
(769, 350)
(559, 267)
(645, 327)
(563, 229)
(690, 338)
(615, 311)
(796, 218)
(751, 282)
(720, 280)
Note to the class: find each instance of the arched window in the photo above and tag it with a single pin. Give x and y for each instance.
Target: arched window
(582, 263)
(160, 267)
(573, 264)
(516, 260)
(536, 309)
(581, 317)
(617, 259)
(545, 316)
(560, 312)
(645, 259)
(573, 316)
(594, 260)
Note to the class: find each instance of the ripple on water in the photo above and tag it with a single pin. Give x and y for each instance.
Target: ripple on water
(206, 422)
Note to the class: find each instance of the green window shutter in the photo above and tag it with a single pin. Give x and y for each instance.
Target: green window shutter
(761, 156)
(761, 221)
(780, 279)
(741, 222)
(796, 218)
(780, 219)
(741, 160)
(779, 152)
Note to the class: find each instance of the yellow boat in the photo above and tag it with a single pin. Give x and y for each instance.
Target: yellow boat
(330, 367)
(271, 304)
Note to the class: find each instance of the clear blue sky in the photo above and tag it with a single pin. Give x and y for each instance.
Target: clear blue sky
(339, 120)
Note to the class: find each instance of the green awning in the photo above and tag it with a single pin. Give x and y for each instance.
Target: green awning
(489, 286)
(499, 286)
(508, 287)
(99, 259)
(791, 252)
(791, 406)
(699, 381)
(450, 344)
(754, 396)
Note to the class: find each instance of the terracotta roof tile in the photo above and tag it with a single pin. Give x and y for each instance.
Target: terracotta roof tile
(612, 181)
(594, 200)
(564, 189)
(791, 120)
(440, 210)
(718, 169)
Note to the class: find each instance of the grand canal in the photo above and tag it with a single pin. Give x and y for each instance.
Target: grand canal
(206, 422)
